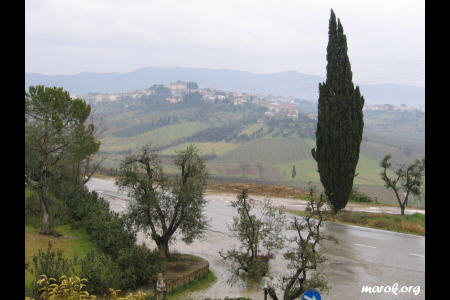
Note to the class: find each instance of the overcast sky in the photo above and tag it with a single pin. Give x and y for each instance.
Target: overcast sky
(386, 39)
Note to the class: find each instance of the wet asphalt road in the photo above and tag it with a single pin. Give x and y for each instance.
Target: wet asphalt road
(363, 256)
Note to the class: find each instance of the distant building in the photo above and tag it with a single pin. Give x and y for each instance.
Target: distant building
(312, 116)
(178, 85)
(173, 100)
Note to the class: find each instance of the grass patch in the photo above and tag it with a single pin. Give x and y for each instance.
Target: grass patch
(201, 283)
(413, 224)
(205, 148)
(159, 137)
(72, 242)
(368, 171)
(268, 151)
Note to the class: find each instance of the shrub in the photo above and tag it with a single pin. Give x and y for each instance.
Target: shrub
(358, 196)
(68, 288)
(101, 272)
(123, 264)
(139, 296)
(72, 289)
(51, 263)
(48, 262)
(32, 207)
(108, 230)
(256, 270)
(139, 266)
(58, 210)
(81, 202)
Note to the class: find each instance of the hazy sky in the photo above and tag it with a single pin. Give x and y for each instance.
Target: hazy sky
(386, 39)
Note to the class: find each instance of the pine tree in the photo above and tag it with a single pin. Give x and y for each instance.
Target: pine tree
(340, 121)
(294, 173)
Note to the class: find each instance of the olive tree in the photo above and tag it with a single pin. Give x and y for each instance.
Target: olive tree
(255, 234)
(159, 206)
(407, 178)
(306, 256)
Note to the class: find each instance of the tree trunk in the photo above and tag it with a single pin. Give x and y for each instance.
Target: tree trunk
(163, 246)
(272, 293)
(165, 249)
(46, 226)
(402, 209)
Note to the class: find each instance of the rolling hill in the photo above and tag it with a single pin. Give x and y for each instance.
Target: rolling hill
(289, 83)
(238, 141)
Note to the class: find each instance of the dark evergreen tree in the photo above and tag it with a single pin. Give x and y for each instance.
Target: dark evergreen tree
(340, 121)
(294, 173)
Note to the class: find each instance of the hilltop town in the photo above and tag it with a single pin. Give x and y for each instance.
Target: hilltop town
(277, 106)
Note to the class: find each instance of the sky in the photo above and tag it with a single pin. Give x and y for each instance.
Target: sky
(386, 39)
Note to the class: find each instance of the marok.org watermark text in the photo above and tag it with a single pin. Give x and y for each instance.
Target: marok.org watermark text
(388, 289)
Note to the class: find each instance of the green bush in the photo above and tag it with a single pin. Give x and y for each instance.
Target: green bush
(51, 263)
(107, 229)
(123, 264)
(139, 265)
(358, 196)
(32, 207)
(256, 270)
(101, 272)
(81, 202)
(58, 210)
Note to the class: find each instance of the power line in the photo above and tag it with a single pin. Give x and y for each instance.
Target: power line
(395, 76)
(391, 65)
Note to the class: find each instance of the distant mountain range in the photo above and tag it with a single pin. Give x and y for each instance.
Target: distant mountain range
(289, 83)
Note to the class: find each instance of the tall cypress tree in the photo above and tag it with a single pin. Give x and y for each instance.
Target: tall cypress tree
(340, 121)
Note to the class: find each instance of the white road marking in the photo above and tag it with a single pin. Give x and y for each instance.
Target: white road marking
(416, 255)
(365, 246)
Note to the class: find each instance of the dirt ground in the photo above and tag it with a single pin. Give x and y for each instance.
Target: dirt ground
(181, 264)
(256, 189)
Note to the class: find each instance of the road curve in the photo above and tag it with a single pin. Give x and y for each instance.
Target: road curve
(363, 256)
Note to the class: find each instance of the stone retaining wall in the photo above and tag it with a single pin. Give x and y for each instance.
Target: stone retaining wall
(182, 279)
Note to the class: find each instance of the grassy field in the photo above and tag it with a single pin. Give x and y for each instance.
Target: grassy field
(253, 128)
(368, 171)
(377, 151)
(206, 148)
(281, 153)
(276, 154)
(268, 151)
(413, 224)
(276, 148)
(72, 242)
(159, 137)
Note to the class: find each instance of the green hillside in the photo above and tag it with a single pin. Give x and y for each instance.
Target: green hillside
(239, 141)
